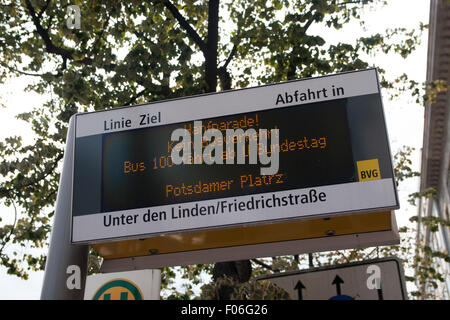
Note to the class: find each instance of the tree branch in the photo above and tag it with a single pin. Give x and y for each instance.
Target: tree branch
(230, 56)
(224, 75)
(43, 9)
(308, 23)
(193, 35)
(13, 227)
(49, 46)
(342, 255)
(262, 264)
(41, 176)
(133, 99)
(165, 91)
(212, 45)
(20, 71)
(354, 2)
(100, 35)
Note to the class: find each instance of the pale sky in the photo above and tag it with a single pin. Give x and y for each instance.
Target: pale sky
(404, 118)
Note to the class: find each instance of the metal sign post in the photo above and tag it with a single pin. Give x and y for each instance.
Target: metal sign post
(65, 259)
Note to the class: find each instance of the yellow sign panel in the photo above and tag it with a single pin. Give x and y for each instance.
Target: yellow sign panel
(287, 231)
(118, 289)
(368, 170)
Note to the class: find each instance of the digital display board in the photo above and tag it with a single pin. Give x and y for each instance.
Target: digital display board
(332, 158)
(134, 176)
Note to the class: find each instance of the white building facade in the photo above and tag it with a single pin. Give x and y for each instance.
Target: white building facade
(436, 153)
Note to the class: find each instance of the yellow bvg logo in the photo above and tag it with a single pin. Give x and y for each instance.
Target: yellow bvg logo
(368, 170)
(118, 289)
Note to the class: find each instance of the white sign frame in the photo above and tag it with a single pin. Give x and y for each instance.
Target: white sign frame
(367, 196)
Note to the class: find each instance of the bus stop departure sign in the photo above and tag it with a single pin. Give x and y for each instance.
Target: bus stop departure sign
(331, 152)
